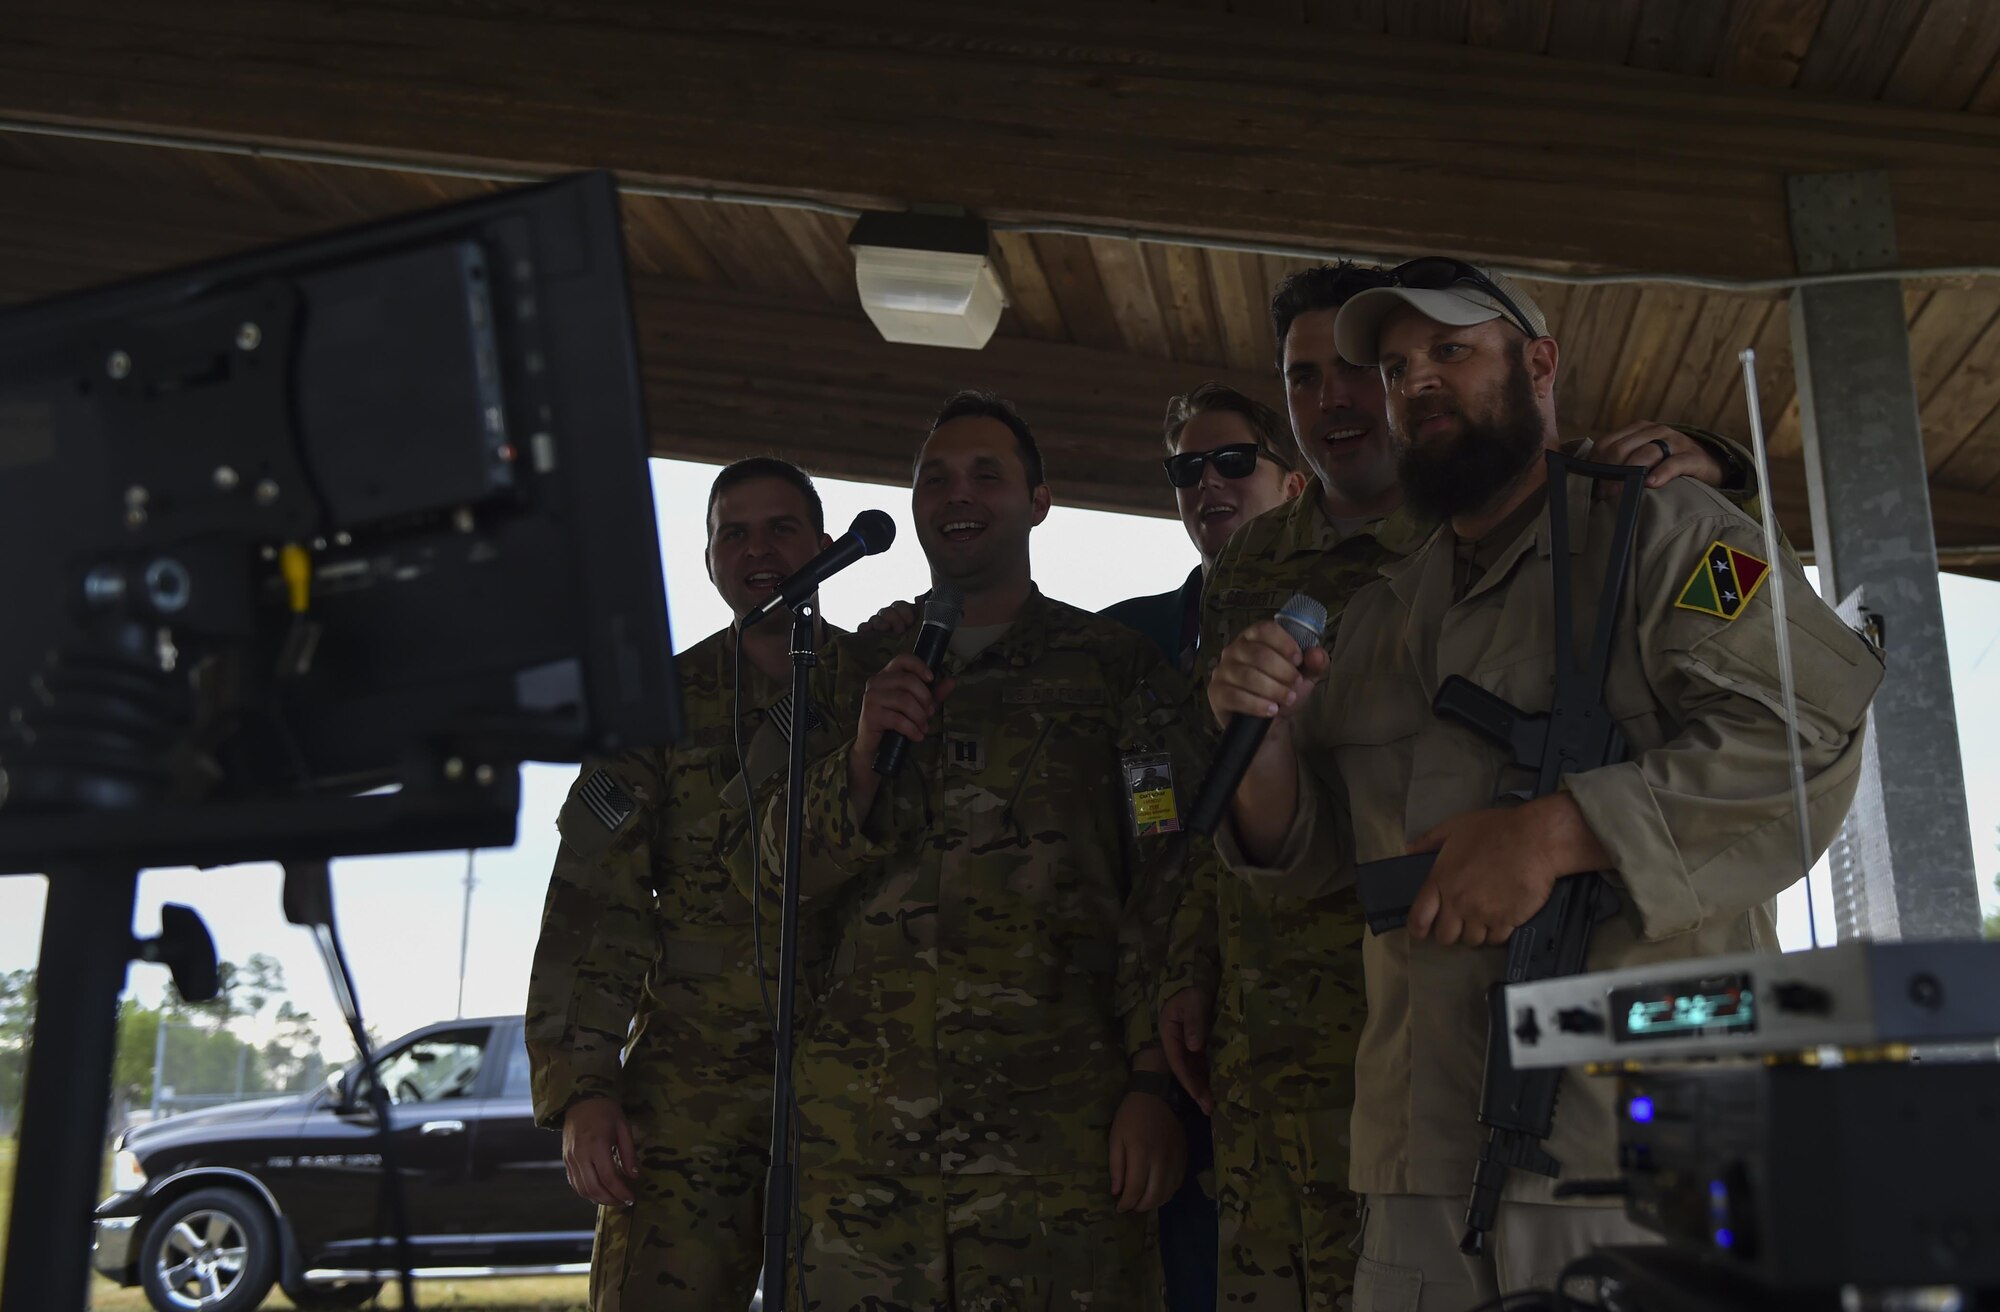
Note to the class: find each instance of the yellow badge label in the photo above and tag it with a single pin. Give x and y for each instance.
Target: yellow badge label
(1724, 582)
(1149, 793)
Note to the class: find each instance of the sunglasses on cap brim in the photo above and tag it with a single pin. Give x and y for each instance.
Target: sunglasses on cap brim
(1233, 461)
(1437, 273)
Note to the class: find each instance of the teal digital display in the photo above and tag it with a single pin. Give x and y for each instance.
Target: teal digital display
(1684, 1009)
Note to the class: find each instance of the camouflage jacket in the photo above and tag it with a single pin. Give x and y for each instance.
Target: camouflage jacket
(646, 936)
(1002, 924)
(1285, 972)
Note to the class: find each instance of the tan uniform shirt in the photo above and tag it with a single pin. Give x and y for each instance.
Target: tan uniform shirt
(1698, 818)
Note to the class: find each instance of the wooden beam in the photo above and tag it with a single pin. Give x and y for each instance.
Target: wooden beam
(729, 373)
(1092, 112)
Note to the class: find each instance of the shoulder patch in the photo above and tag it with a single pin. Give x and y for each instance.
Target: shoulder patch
(1723, 583)
(605, 799)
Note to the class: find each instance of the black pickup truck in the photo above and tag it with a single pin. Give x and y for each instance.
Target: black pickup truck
(210, 1209)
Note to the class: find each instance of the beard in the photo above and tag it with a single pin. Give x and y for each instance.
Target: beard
(1466, 471)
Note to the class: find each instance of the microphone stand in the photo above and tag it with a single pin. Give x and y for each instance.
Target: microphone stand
(778, 1181)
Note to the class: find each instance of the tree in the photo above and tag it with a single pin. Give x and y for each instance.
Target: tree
(1992, 923)
(17, 1018)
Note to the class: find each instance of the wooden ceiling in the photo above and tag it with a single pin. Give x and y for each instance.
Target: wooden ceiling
(748, 314)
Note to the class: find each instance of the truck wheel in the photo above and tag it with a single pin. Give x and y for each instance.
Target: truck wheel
(213, 1250)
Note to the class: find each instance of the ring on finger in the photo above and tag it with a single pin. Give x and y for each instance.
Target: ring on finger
(1666, 451)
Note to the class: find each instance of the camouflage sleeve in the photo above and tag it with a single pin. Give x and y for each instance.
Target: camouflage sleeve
(1156, 714)
(1194, 953)
(838, 845)
(1317, 855)
(598, 937)
(1215, 626)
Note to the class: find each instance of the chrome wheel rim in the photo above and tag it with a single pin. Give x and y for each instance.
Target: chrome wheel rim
(200, 1259)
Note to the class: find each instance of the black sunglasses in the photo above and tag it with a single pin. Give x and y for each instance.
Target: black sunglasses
(1436, 273)
(1233, 461)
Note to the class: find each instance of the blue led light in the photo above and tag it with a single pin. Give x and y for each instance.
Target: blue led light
(1718, 1192)
(1725, 1238)
(1640, 1109)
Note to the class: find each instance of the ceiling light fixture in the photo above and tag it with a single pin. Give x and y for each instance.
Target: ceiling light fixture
(928, 279)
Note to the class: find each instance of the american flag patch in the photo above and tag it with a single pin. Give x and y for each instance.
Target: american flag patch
(781, 715)
(612, 805)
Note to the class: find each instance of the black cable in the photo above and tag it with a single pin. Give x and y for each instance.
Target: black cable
(750, 807)
(391, 1196)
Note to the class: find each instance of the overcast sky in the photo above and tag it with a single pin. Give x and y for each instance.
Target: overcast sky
(400, 916)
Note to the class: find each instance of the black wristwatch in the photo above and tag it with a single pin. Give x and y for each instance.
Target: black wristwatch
(1158, 1083)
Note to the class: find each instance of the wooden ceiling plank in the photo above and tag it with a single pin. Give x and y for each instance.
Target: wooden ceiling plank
(1951, 52)
(656, 224)
(1986, 100)
(1180, 276)
(1975, 465)
(1682, 37)
(1770, 335)
(1593, 31)
(1242, 299)
(1767, 41)
(851, 407)
(1028, 291)
(729, 247)
(1348, 15)
(1128, 286)
(1073, 276)
(1430, 20)
(1601, 318)
(1858, 46)
(1103, 108)
(1510, 24)
(1968, 393)
(1723, 326)
(1285, 11)
(1786, 438)
(1654, 350)
(821, 243)
(1943, 329)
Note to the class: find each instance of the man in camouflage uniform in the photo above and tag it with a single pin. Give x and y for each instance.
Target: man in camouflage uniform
(647, 947)
(1286, 971)
(986, 1035)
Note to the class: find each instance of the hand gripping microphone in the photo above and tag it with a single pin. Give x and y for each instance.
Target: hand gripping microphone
(1305, 620)
(870, 534)
(944, 608)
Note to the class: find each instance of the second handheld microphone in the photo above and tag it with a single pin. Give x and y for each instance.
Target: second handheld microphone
(1305, 620)
(944, 608)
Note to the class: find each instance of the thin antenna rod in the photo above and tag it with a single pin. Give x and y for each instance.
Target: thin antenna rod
(1788, 692)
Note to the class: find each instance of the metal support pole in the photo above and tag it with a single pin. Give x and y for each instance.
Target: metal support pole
(86, 943)
(159, 1064)
(1869, 484)
(464, 935)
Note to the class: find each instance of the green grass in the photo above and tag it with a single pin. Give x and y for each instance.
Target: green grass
(537, 1294)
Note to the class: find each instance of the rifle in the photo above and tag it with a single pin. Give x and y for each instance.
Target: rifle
(1575, 734)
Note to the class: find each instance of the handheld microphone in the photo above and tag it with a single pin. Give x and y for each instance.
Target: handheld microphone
(1305, 620)
(944, 608)
(870, 534)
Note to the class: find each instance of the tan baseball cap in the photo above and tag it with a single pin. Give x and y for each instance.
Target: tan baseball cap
(1461, 302)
